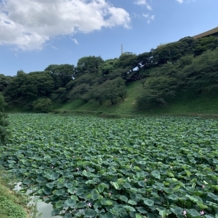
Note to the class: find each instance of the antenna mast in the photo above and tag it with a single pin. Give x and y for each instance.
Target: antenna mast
(121, 49)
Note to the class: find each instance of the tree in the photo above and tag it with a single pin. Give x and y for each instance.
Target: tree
(108, 66)
(162, 54)
(4, 82)
(13, 93)
(81, 92)
(144, 60)
(110, 90)
(201, 75)
(186, 45)
(42, 105)
(158, 91)
(60, 95)
(3, 121)
(61, 74)
(90, 64)
(26, 88)
(127, 60)
(205, 43)
(99, 94)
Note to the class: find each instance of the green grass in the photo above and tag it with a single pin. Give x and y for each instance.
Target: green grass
(127, 107)
(12, 204)
(204, 104)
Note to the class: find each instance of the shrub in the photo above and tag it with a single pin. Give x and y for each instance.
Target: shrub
(43, 105)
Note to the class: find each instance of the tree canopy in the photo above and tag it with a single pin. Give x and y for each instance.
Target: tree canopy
(188, 64)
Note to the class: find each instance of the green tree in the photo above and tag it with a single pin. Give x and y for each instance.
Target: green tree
(4, 82)
(108, 66)
(127, 60)
(110, 90)
(81, 91)
(144, 60)
(158, 91)
(3, 121)
(13, 93)
(90, 64)
(99, 94)
(162, 54)
(25, 88)
(160, 86)
(42, 105)
(60, 95)
(205, 43)
(61, 74)
(201, 75)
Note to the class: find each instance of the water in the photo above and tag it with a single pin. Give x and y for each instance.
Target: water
(43, 208)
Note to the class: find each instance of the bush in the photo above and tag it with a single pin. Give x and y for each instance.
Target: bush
(43, 105)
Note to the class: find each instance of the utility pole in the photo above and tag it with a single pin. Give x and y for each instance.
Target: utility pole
(121, 49)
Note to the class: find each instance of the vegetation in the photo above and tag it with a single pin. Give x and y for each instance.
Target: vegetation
(43, 105)
(3, 121)
(92, 167)
(12, 204)
(187, 67)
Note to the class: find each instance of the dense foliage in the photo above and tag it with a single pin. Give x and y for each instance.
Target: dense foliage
(189, 65)
(43, 105)
(189, 75)
(3, 121)
(92, 167)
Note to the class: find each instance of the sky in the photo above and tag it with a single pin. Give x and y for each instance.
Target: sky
(37, 33)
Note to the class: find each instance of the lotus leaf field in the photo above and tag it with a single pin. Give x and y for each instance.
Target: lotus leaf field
(93, 167)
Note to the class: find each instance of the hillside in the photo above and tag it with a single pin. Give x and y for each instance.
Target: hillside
(183, 105)
(12, 204)
(176, 78)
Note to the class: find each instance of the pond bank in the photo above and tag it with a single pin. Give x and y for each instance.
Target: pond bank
(12, 204)
(43, 209)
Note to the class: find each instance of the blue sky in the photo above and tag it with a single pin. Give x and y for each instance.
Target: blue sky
(37, 33)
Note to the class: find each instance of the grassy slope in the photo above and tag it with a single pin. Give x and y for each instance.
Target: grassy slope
(182, 105)
(11, 204)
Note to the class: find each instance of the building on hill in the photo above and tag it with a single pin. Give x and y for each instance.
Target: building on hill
(212, 32)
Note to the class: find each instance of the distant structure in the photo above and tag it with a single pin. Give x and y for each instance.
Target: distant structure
(121, 49)
(212, 32)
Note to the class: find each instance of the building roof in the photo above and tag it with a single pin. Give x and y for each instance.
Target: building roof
(207, 33)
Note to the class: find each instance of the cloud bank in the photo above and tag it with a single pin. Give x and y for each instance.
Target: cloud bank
(29, 24)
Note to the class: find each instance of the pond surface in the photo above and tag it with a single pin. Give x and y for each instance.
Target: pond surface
(43, 208)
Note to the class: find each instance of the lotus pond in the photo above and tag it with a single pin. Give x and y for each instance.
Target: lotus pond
(93, 167)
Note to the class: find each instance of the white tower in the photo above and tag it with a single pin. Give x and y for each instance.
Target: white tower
(121, 49)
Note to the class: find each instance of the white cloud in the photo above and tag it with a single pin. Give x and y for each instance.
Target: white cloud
(28, 24)
(180, 1)
(143, 2)
(149, 17)
(75, 41)
(54, 47)
(185, 1)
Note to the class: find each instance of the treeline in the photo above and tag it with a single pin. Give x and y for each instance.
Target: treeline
(190, 65)
(3, 122)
